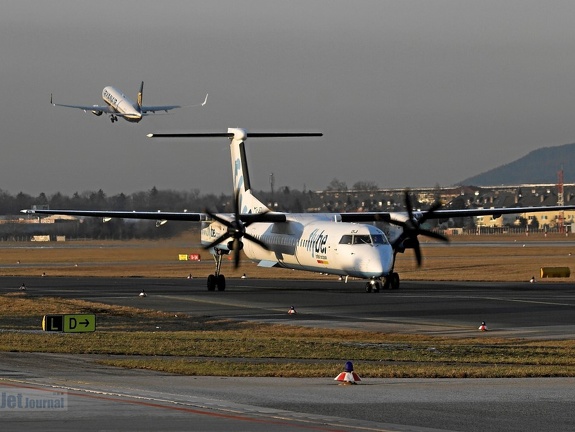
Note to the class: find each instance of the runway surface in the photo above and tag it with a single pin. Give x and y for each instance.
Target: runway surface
(105, 398)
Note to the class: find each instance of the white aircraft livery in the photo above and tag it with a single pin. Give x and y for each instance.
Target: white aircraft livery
(119, 105)
(344, 244)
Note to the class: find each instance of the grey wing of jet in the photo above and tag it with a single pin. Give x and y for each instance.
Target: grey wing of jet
(156, 108)
(153, 109)
(100, 108)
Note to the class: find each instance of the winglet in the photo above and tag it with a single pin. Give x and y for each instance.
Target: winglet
(205, 100)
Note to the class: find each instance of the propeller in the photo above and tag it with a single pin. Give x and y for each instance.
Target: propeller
(412, 229)
(236, 230)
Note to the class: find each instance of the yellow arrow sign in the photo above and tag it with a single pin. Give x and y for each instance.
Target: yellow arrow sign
(79, 323)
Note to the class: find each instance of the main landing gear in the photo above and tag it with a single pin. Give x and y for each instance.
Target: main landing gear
(217, 280)
(375, 285)
(113, 118)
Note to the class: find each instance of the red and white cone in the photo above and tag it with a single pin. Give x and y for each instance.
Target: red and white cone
(348, 376)
(483, 326)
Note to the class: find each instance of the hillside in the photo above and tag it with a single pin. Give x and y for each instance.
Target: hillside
(539, 166)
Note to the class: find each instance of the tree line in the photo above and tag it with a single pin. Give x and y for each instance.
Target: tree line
(152, 200)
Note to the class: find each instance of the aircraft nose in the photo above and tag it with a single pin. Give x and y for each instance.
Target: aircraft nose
(378, 262)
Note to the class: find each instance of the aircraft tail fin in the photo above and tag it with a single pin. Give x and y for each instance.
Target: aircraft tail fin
(248, 203)
(140, 96)
(240, 174)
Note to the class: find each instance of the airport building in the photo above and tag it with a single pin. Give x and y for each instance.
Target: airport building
(460, 197)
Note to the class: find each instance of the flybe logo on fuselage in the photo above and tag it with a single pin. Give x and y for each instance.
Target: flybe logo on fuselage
(110, 98)
(317, 244)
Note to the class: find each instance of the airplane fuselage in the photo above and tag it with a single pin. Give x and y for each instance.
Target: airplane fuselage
(121, 104)
(317, 243)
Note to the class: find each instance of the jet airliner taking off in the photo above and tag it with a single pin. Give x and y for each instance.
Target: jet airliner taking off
(344, 244)
(119, 105)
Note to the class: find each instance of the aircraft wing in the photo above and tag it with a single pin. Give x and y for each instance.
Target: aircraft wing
(160, 215)
(153, 109)
(102, 108)
(446, 213)
(176, 216)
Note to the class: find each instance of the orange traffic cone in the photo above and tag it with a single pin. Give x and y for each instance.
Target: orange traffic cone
(348, 376)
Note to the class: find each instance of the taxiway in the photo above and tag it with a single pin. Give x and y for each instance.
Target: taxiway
(106, 398)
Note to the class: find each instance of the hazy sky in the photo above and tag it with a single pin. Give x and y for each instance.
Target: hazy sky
(407, 93)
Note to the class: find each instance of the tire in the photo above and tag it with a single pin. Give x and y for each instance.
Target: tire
(221, 282)
(394, 283)
(211, 282)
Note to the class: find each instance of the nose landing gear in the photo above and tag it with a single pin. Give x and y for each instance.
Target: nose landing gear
(374, 285)
(390, 282)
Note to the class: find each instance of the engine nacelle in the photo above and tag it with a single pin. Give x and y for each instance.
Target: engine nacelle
(97, 113)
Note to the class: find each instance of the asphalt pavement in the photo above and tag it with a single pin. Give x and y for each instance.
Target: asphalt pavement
(99, 397)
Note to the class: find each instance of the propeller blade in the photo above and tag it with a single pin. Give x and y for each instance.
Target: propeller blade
(237, 249)
(256, 241)
(417, 251)
(219, 219)
(398, 223)
(218, 241)
(237, 204)
(434, 235)
(236, 228)
(412, 229)
(408, 206)
(251, 218)
(436, 206)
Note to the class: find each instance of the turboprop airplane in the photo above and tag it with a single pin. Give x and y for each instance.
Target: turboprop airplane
(344, 244)
(119, 105)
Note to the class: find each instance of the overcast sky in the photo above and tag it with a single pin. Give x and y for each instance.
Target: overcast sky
(407, 93)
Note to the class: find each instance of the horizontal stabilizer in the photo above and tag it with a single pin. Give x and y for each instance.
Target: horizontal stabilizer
(232, 135)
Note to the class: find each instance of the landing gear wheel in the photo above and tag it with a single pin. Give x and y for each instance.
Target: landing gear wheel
(372, 286)
(394, 282)
(221, 282)
(211, 282)
(387, 283)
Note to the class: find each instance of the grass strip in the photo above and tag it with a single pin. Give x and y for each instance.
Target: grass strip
(199, 346)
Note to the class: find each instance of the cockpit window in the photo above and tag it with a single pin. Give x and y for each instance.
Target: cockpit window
(346, 239)
(379, 239)
(363, 239)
